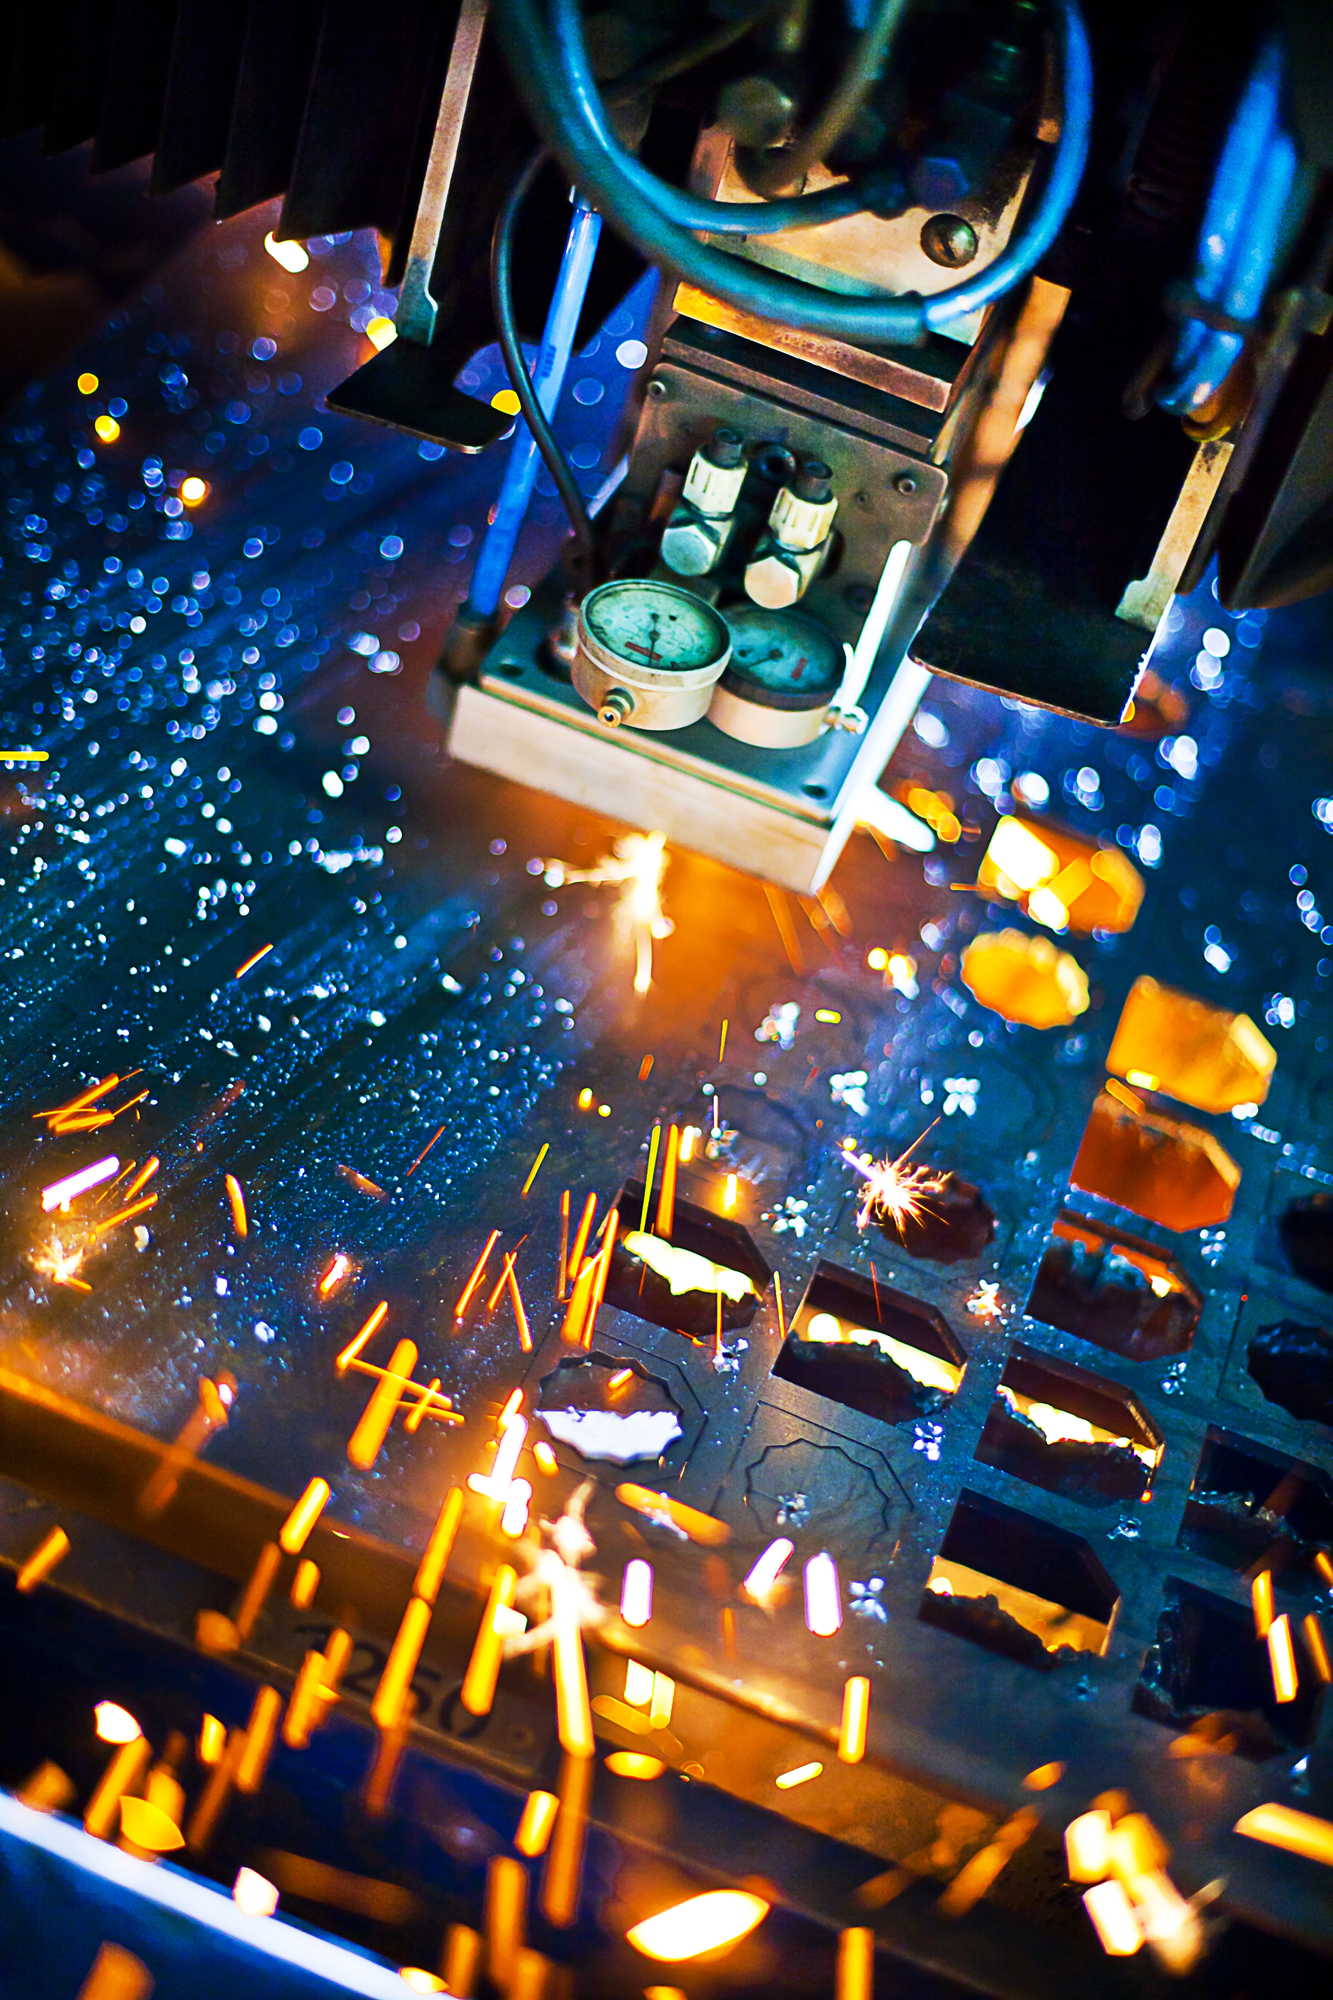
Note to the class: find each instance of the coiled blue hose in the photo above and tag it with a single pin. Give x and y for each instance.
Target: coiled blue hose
(551, 72)
(1239, 239)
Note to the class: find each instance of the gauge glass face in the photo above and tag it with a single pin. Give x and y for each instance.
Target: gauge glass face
(784, 652)
(653, 626)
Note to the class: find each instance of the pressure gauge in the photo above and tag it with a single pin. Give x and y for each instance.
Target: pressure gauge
(785, 669)
(648, 654)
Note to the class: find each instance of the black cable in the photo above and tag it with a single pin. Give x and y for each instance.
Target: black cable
(502, 304)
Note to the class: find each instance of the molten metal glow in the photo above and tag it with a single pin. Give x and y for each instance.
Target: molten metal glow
(212, 1741)
(254, 1894)
(709, 1923)
(193, 490)
(1088, 1846)
(292, 256)
(61, 1265)
(115, 1724)
(638, 863)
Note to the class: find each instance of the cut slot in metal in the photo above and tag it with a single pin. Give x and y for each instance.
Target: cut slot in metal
(1070, 1431)
(871, 1348)
(1018, 1586)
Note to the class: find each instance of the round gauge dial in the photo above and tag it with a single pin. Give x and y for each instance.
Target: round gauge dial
(782, 659)
(655, 627)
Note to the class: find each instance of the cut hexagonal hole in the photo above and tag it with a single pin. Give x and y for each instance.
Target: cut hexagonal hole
(871, 1348)
(1293, 1365)
(1207, 1673)
(951, 1224)
(608, 1409)
(1116, 1290)
(708, 1266)
(1018, 1586)
(1305, 1231)
(1070, 1431)
(1252, 1508)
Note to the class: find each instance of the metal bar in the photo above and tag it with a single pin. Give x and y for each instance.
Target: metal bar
(416, 307)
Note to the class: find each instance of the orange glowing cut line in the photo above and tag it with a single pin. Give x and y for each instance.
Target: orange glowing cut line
(236, 1196)
(350, 1352)
(533, 1172)
(253, 960)
(478, 1271)
(620, 1380)
(511, 1408)
(335, 1274)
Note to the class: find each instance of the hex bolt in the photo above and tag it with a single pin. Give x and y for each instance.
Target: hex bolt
(905, 482)
(949, 240)
(617, 706)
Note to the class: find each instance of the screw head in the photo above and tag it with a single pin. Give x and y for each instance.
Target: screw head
(905, 483)
(657, 388)
(949, 240)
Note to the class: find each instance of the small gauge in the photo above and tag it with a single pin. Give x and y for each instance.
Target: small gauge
(648, 654)
(784, 671)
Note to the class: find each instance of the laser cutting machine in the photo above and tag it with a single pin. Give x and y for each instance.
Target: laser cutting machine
(964, 341)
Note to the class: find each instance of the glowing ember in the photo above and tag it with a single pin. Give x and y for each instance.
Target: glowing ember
(61, 1265)
(639, 862)
(893, 1191)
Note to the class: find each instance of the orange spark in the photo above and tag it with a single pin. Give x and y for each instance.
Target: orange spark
(334, 1276)
(253, 960)
(893, 1191)
(362, 1183)
(478, 1271)
(638, 863)
(422, 1154)
(240, 1222)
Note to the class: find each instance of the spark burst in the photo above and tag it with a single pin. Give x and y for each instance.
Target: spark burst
(894, 1190)
(638, 863)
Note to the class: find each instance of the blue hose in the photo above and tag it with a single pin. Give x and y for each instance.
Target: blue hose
(550, 67)
(571, 287)
(1239, 239)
